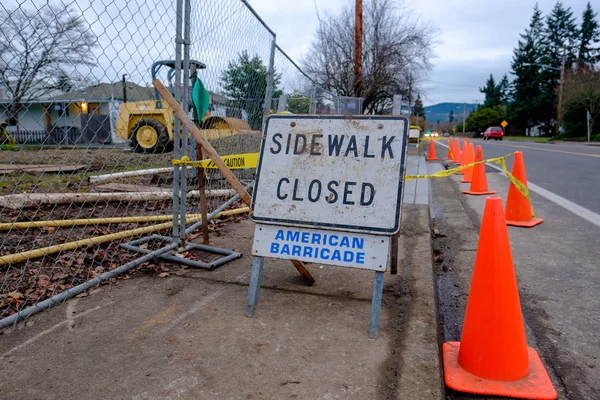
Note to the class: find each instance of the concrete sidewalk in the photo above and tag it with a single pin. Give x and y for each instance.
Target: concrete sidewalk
(185, 336)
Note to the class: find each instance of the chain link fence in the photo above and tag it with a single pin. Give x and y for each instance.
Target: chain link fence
(87, 179)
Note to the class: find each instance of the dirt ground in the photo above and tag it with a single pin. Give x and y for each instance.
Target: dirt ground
(24, 284)
(183, 334)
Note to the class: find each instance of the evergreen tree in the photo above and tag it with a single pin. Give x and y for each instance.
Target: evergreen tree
(245, 80)
(492, 92)
(524, 110)
(589, 49)
(503, 90)
(560, 38)
(418, 108)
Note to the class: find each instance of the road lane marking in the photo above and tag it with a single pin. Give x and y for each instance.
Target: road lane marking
(576, 209)
(554, 151)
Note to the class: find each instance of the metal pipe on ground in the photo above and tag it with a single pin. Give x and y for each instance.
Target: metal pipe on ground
(69, 223)
(36, 253)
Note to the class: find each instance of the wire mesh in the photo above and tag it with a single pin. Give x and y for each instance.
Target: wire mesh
(86, 148)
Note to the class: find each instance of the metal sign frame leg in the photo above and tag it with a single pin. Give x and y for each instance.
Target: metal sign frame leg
(376, 305)
(254, 288)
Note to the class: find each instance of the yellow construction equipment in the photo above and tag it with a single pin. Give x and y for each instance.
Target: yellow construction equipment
(149, 125)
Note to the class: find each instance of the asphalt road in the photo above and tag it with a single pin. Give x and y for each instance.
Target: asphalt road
(570, 170)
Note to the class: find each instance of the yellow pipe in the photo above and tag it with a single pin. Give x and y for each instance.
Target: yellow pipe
(7, 226)
(36, 253)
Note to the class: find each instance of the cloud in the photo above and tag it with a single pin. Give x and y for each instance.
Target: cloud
(477, 37)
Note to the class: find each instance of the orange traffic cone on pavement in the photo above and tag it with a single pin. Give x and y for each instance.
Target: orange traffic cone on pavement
(518, 207)
(456, 151)
(463, 155)
(479, 184)
(469, 160)
(450, 155)
(492, 357)
(431, 156)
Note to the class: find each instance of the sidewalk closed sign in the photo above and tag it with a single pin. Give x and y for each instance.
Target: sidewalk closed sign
(331, 173)
(329, 189)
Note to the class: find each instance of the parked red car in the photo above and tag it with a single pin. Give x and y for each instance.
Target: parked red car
(493, 132)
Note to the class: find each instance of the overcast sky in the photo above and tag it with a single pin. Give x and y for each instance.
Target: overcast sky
(477, 37)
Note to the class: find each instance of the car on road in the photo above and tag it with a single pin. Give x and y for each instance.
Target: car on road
(493, 132)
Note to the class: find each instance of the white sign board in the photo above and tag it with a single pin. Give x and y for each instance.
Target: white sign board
(345, 249)
(332, 172)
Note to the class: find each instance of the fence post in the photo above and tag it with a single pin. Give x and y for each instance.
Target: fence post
(176, 128)
(185, 137)
(270, 75)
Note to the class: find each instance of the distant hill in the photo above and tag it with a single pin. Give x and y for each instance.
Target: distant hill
(440, 111)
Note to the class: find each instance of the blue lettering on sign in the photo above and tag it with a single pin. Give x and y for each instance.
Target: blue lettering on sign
(305, 236)
(358, 243)
(348, 256)
(360, 258)
(302, 244)
(292, 236)
(336, 256)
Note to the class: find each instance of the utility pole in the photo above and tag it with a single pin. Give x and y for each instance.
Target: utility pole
(560, 91)
(464, 117)
(358, 34)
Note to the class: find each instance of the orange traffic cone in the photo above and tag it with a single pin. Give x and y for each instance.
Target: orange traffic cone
(518, 207)
(463, 155)
(456, 151)
(470, 160)
(450, 156)
(492, 357)
(431, 156)
(479, 184)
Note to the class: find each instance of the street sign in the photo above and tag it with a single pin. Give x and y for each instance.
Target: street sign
(331, 172)
(504, 124)
(345, 249)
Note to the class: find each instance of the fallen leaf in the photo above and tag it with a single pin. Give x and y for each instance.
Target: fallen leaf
(163, 274)
(186, 324)
(15, 295)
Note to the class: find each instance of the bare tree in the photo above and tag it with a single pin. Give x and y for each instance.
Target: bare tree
(397, 49)
(35, 46)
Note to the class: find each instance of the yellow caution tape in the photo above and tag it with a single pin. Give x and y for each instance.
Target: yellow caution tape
(250, 160)
(434, 138)
(232, 161)
(520, 186)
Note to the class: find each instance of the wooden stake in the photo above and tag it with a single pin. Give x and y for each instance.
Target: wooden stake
(200, 139)
(202, 189)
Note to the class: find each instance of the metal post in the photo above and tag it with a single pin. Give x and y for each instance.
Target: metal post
(124, 89)
(560, 91)
(588, 117)
(185, 139)
(464, 118)
(376, 305)
(270, 74)
(177, 123)
(254, 288)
